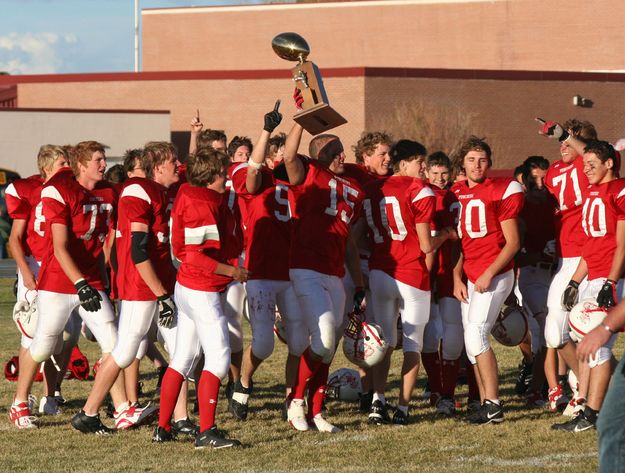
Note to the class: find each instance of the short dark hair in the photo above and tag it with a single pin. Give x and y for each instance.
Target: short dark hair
(239, 141)
(602, 149)
(132, 157)
(275, 143)
(206, 137)
(533, 162)
(406, 150)
(473, 143)
(438, 158)
(205, 165)
(116, 174)
(581, 129)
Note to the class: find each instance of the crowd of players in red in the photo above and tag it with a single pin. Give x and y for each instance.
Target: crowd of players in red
(431, 240)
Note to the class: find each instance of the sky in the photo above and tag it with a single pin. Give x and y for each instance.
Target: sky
(75, 36)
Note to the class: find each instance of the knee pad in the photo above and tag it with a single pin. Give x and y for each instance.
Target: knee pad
(126, 350)
(324, 347)
(414, 339)
(555, 337)
(476, 340)
(431, 336)
(42, 349)
(263, 342)
(602, 355)
(297, 339)
(143, 348)
(218, 364)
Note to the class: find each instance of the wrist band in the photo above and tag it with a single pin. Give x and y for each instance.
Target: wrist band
(254, 164)
(607, 327)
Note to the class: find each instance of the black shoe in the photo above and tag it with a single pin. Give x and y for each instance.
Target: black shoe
(185, 427)
(579, 423)
(488, 413)
(365, 401)
(110, 410)
(229, 390)
(524, 379)
(284, 410)
(90, 425)
(160, 435)
(399, 418)
(196, 407)
(214, 438)
(378, 414)
(238, 403)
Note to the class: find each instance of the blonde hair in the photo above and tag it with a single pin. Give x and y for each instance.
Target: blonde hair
(47, 156)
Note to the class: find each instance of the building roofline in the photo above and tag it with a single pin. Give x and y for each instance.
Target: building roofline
(85, 110)
(369, 72)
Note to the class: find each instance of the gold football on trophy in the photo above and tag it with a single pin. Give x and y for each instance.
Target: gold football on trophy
(291, 46)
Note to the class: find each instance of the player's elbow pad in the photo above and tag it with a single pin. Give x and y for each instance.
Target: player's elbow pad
(139, 247)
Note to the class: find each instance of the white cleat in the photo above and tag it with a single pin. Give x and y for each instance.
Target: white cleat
(49, 406)
(323, 425)
(296, 415)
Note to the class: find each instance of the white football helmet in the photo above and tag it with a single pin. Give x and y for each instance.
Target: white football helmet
(511, 326)
(363, 343)
(584, 317)
(25, 315)
(279, 328)
(344, 385)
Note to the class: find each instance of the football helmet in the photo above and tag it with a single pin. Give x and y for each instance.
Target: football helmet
(363, 343)
(344, 385)
(279, 328)
(25, 315)
(511, 325)
(584, 317)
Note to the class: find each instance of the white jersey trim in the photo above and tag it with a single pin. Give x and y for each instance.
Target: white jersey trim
(423, 193)
(198, 235)
(513, 188)
(620, 194)
(11, 190)
(238, 168)
(135, 190)
(52, 193)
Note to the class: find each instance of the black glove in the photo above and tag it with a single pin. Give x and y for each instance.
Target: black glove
(359, 297)
(166, 311)
(273, 118)
(606, 298)
(89, 297)
(569, 297)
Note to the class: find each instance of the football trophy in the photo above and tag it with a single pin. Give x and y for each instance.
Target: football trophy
(316, 115)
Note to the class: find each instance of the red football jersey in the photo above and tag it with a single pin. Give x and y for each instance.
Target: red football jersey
(202, 235)
(539, 219)
(604, 206)
(323, 206)
(267, 223)
(23, 198)
(359, 174)
(143, 201)
(566, 181)
(482, 209)
(88, 216)
(445, 215)
(393, 207)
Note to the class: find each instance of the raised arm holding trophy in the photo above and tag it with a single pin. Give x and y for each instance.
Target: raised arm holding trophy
(317, 115)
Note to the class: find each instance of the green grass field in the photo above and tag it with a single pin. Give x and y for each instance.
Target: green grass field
(523, 443)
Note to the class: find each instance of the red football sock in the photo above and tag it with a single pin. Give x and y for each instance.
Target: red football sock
(317, 390)
(170, 390)
(474, 390)
(306, 370)
(207, 393)
(449, 370)
(432, 364)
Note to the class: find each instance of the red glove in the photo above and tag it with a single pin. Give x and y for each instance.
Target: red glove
(554, 130)
(299, 99)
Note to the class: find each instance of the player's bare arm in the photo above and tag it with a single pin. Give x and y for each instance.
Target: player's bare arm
(510, 230)
(60, 242)
(196, 128)
(460, 288)
(145, 268)
(294, 166)
(18, 229)
(352, 260)
(253, 179)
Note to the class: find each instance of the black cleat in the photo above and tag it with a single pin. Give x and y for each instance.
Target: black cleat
(214, 438)
(524, 379)
(399, 418)
(579, 423)
(229, 389)
(378, 414)
(185, 427)
(488, 413)
(90, 425)
(238, 404)
(364, 403)
(161, 435)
